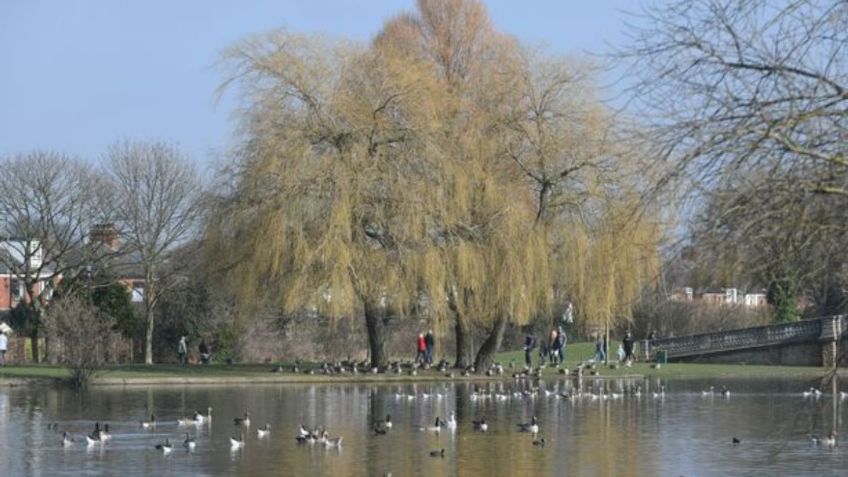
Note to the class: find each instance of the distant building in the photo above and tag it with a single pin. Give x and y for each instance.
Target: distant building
(720, 296)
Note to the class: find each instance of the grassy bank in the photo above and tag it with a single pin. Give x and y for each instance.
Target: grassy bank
(262, 373)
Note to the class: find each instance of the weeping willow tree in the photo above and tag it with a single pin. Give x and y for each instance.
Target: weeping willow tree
(350, 198)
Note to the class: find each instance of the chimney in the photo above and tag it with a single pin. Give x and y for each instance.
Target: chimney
(106, 234)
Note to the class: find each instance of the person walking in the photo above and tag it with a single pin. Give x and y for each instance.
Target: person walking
(182, 350)
(4, 344)
(529, 345)
(430, 342)
(628, 347)
(421, 346)
(562, 340)
(205, 356)
(553, 346)
(600, 350)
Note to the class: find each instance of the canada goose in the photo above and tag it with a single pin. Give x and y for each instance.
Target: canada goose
(166, 447)
(303, 431)
(725, 392)
(67, 440)
(243, 421)
(826, 441)
(539, 443)
(237, 442)
(531, 427)
(438, 453)
(481, 425)
(189, 443)
(812, 392)
(94, 437)
(387, 424)
(708, 392)
(436, 427)
(105, 435)
(331, 441)
(735, 441)
(151, 424)
(264, 431)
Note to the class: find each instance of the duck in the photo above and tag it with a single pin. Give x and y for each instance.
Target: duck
(481, 425)
(189, 443)
(735, 441)
(451, 422)
(725, 392)
(243, 421)
(165, 447)
(67, 440)
(826, 441)
(531, 427)
(387, 424)
(237, 442)
(708, 392)
(438, 453)
(331, 441)
(539, 442)
(264, 431)
(151, 424)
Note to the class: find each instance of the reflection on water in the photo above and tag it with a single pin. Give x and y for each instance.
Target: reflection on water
(617, 427)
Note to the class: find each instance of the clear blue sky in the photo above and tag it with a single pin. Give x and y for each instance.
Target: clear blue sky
(77, 75)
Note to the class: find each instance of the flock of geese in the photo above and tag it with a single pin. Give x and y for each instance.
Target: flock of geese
(320, 436)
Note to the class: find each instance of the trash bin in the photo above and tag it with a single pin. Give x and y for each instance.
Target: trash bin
(661, 357)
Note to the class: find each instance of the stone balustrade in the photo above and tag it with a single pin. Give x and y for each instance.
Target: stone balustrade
(826, 329)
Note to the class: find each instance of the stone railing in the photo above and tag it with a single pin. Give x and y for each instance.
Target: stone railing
(800, 331)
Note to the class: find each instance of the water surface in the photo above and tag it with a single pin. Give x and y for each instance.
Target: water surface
(681, 433)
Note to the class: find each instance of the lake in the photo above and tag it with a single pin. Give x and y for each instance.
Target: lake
(681, 433)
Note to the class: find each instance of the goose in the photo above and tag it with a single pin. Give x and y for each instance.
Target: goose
(166, 447)
(189, 443)
(243, 421)
(105, 435)
(203, 418)
(151, 424)
(539, 442)
(94, 437)
(438, 453)
(264, 431)
(481, 425)
(826, 441)
(303, 431)
(237, 442)
(331, 441)
(660, 394)
(451, 422)
(67, 440)
(435, 427)
(387, 424)
(735, 441)
(725, 392)
(531, 427)
(812, 392)
(708, 392)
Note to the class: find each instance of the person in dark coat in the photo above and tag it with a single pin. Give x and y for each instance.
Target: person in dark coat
(628, 346)
(529, 345)
(430, 342)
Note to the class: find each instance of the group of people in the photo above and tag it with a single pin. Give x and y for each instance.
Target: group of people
(553, 349)
(625, 349)
(426, 346)
(203, 351)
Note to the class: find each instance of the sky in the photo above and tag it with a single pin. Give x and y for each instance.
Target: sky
(76, 76)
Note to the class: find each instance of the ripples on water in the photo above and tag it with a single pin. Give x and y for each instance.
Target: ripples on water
(684, 433)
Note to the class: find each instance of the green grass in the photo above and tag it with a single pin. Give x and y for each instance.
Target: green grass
(575, 353)
(584, 351)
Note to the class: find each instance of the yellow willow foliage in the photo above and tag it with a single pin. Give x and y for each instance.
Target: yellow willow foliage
(347, 192)
(607, 266)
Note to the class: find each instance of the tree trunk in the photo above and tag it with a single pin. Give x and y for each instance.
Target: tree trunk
(35, 348)
(376, 335)
(486, 354)
(148, 315)
(464, 346)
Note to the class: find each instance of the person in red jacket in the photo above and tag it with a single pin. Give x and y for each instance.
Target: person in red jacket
(422, 349)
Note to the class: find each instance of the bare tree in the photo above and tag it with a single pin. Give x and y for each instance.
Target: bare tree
(48, 204)
(84, 333)
(157, 198)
